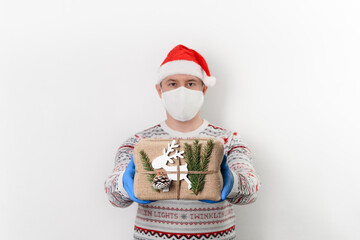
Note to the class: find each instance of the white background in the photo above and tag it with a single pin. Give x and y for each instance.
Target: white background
(77, 78)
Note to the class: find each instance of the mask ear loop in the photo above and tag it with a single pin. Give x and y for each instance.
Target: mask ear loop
(202, 89)
(161, 89)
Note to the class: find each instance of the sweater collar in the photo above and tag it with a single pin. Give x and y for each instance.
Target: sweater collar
(175, 133)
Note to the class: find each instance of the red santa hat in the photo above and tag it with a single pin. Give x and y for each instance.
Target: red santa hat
(183, 60)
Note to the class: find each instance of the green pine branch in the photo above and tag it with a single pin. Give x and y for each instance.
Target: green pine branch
(196, 153)
(198, 161)
(148, 167)
(205, 158)
(188, 156)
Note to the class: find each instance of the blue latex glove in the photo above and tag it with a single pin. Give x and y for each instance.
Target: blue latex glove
(228, 180)
(128, 182)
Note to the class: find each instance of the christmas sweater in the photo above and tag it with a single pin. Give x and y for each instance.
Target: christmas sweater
(188, 219)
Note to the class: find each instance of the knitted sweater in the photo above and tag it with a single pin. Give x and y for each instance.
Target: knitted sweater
(188, 219)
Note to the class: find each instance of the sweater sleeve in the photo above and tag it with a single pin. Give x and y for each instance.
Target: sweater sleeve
(246, 181)
(113, 185)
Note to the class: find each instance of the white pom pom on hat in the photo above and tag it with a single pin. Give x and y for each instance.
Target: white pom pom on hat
(183, 60)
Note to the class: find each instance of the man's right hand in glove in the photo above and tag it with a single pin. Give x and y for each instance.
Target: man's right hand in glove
(128, 182)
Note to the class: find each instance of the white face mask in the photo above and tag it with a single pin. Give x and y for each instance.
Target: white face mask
(182, 103)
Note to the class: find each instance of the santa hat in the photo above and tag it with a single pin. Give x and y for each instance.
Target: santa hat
(183, 60)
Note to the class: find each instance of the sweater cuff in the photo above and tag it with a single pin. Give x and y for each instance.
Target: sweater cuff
(235, 189)
(120, 186)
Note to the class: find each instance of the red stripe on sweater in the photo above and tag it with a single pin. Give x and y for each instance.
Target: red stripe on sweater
(129, 146)
(185, 223)
(188, 235)
(215, 127)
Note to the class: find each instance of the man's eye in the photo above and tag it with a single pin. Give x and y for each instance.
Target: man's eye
(191, 84)
(172, 84)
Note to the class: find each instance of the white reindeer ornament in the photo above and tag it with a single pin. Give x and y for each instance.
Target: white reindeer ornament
(161, 162)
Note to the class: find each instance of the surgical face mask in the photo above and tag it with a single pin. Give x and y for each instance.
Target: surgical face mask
(182, 103)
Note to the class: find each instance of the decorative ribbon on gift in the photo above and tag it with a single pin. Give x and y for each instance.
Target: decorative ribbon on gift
(178, 176)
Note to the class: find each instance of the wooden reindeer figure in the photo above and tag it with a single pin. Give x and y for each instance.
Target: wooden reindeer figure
(161, 162)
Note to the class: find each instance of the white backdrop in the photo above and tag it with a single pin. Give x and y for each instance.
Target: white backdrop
(77, 78)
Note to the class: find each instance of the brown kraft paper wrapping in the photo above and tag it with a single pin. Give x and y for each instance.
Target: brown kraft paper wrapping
(178, 189)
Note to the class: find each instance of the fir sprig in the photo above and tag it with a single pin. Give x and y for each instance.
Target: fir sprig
(196, 153)
(189, 156)
(147, 166)
(198, 162)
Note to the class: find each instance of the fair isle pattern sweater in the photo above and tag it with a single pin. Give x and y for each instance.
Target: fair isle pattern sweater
(188, 219)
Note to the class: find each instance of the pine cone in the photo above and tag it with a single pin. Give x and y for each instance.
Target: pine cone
(161, 182)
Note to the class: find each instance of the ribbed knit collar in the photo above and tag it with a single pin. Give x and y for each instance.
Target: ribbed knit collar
(175, 133)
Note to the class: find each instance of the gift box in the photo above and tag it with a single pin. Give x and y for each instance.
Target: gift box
(178, 169)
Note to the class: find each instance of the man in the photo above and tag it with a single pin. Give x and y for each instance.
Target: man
(183, 80)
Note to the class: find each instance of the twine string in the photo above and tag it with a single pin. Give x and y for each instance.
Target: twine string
(178, 180)
(189, 172)
(178, 176)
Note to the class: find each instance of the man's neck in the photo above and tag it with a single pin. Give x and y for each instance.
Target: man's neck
(186, 126)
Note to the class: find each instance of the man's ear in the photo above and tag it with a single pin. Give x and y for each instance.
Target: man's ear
(204, 89)
(158, 89)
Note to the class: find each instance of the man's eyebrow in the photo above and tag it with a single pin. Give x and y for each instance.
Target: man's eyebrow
(188, 80)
